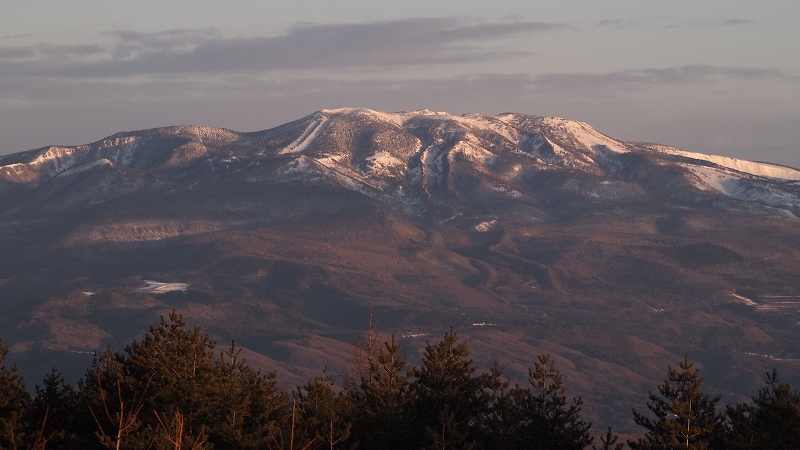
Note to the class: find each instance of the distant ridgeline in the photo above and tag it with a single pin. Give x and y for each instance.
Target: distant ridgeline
(528, 234)
(172, 389)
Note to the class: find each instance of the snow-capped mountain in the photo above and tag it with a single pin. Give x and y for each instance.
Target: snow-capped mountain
(528, 234)
(422, 161)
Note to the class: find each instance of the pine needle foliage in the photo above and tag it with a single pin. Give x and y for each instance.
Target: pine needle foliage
(685, 417)
(449, 394)
(380, 395)
(550, 420)
(14, 403)
(771, 422)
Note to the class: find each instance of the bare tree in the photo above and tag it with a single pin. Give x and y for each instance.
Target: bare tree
(125, 417)
(278, 438)
(177, 439)
(365, 352)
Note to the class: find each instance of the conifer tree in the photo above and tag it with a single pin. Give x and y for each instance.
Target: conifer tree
(186, 394)
(450, 396)
(294, 433)
(685, 417)
(549, 420)
(324, 412)
(177, 366)
(772, 422)
(102, 392)
(501, 421)
(249, 405)
(169, 370)
(58, 412)
(14, 403)
(380, 396)
(175, 437)
(609, 442)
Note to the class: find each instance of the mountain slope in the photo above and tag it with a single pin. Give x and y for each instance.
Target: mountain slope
(528, 234)
(417, 160)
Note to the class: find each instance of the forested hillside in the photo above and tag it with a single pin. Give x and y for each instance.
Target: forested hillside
(175, 388)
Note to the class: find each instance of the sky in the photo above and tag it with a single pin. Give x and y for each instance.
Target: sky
(718, 77)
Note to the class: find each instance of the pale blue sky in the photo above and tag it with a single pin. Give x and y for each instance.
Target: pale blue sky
(717, 77)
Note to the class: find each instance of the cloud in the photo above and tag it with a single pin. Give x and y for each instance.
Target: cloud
(40, 111)
(408, 42)
(70, 50)
(15, 36)
(700, 24)
(737, 21)
(43, 91)
(637, 78)
(16, 52)
(616, 23)
(52, 52)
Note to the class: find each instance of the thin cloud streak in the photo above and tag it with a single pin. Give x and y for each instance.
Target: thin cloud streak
(16, 52)
(52, 52)
(737, 21)
(176, 86)
(638, 78)
(409, 42)
(610, 23)
(250, 102)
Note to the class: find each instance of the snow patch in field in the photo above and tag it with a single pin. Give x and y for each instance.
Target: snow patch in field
(157, 287)
(485, 226)
(745, 300)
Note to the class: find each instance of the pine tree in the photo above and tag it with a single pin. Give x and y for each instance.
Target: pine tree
(177, 367)
(450, 396)
(772, 422)
(323, 412)
(249, 405)
(184, 392)
(175, 437)
(499, 424)
(59, 414)
(14, 403)
(380, 396)
(549, 420)
(169, 370)
(685, 417)
(609, 442)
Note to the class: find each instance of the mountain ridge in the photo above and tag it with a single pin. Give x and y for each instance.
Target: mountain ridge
(528, 234)
(416, 165)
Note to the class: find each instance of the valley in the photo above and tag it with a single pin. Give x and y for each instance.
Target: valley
(528, 235)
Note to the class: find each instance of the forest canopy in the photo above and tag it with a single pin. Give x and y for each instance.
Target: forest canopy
(175, 388)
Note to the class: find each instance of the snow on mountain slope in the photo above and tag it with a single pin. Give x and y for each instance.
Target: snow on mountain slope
(420, 157)
(759, 169)
(584, 135)
(314, 129)
(82, 168)
(739, 188)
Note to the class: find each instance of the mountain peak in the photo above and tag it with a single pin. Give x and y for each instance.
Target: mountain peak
(422, 158)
